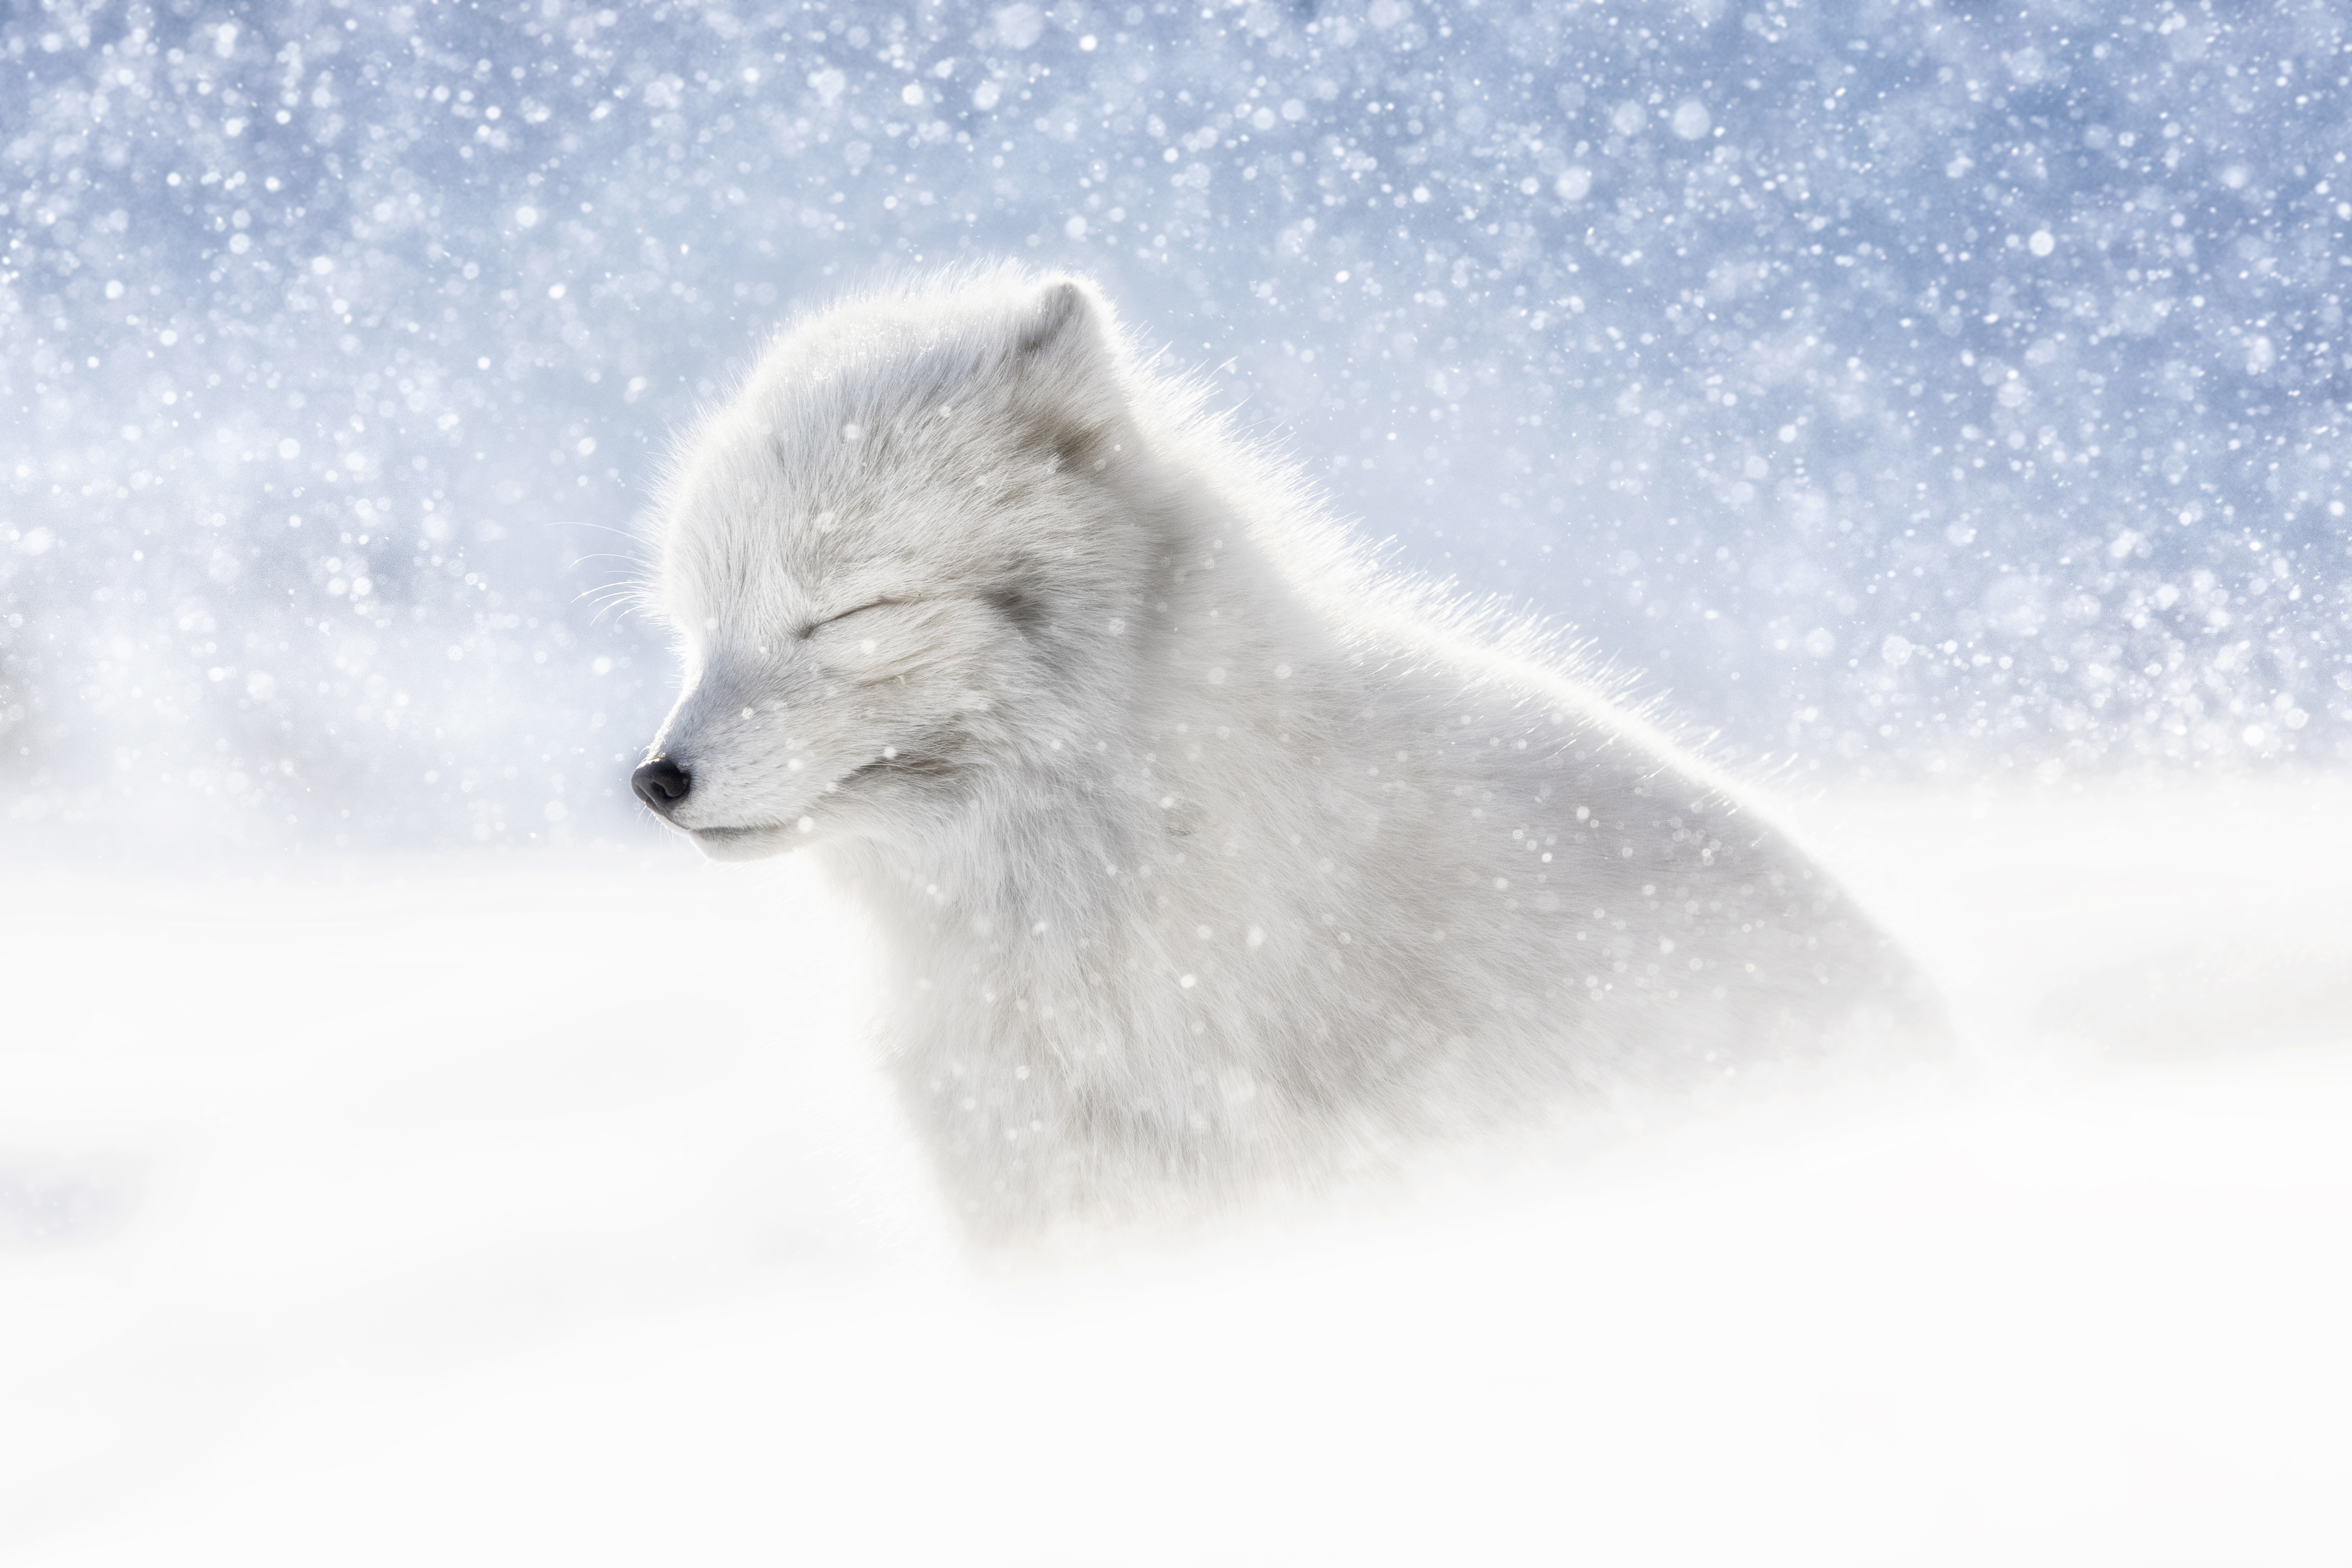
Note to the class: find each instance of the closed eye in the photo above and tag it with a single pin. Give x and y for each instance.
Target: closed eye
(811, 627)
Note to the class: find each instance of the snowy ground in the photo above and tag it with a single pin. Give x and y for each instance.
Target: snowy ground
(540, 1211)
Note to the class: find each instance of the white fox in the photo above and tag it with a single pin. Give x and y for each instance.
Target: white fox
(1205, 853)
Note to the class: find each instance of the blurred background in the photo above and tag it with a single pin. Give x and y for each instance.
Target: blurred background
(1900, 388)
(409, 1152)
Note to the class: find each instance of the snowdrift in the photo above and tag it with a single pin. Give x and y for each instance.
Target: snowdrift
(549, 1209)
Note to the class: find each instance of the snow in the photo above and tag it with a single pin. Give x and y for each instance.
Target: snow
(1923, 390)
(549, 1207)
(405, 1154)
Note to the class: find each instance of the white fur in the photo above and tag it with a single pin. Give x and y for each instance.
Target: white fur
(1205, 853)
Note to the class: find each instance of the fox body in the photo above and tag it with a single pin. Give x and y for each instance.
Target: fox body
(1204, 852)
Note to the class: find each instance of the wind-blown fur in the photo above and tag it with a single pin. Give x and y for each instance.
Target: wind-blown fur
(1205, 853)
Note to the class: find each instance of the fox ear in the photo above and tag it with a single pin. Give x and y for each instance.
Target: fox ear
(1060, 318)
(1063, 346)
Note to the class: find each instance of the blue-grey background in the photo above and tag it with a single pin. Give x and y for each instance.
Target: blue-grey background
(1908, 390)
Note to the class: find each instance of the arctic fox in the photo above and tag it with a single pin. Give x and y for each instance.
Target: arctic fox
(1206, 852)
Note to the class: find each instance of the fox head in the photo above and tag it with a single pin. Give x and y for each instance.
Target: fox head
(902, 561)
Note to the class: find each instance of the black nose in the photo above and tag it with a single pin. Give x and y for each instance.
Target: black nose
(661, 785)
